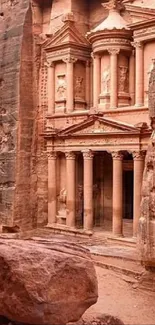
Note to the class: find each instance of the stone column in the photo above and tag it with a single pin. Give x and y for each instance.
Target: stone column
(71, 188)
(88, 189)
(117, 193)
(96, 79)
(132, 77)
(87, 83)
(113, 77)
(139, 74)
(138, 158)
(52, 194)
(70, 83)
(51, 87)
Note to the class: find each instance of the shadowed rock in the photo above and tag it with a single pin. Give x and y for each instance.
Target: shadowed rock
(45, 283)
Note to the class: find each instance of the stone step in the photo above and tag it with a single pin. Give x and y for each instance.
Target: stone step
(124, 241)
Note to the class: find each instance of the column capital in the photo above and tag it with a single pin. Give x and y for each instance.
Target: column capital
(117, 155)
(70, 155)
(95, 56)
(113, 51)
(70, 59)
(137, 44)
(138, 155)
(49, 64)
(87, 154)
(52, 155)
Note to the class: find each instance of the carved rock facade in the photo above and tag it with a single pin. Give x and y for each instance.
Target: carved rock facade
(78, 84)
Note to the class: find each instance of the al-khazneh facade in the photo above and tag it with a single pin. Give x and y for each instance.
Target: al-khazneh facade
(94, 62)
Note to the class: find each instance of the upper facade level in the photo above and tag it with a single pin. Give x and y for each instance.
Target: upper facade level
(96, 55)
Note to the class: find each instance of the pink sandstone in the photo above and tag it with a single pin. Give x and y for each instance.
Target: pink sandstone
(50, 283)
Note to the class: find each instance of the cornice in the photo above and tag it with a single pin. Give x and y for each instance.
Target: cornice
(142, 24)
(69, 45)
(114, 33)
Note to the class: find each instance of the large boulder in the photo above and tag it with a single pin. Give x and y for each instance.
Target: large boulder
(50, 282)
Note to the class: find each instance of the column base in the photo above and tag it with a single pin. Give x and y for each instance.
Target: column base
(139, 105)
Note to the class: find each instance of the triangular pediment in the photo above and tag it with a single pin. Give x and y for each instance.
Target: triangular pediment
(138, 11)
(68, 34)
(97, 125)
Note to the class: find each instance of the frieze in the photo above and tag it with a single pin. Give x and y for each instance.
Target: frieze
(144, 31)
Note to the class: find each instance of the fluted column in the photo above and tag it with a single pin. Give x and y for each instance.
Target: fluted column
(117, 193)
(139, 73)
(71, 188)
(132, 77)
(70, 83)
(52, 201)
(51, 87)
(96, 79)
(88, 83)
(88, 189)
(113, 77)
(138, 158)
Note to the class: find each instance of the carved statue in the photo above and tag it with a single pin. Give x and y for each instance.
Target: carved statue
(62, 202)
(123, 79)
(106, 81)
(61, 86)
(79, 93)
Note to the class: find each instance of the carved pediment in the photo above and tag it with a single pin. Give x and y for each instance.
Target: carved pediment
(96, 125)
(68, 34)
(139, 11)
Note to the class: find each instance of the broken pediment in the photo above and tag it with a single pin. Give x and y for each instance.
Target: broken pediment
(68, 34)
(140, 11)
(94, 125)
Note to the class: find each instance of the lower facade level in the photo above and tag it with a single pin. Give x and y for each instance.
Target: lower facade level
(89, 189)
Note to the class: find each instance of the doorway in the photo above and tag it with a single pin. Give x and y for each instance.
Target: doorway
(128, 194)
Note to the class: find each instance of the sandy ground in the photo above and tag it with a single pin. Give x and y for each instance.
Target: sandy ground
(120, 299)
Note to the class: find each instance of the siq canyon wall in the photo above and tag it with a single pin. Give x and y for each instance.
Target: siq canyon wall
(20, 118)
(147, 219)
(23, 162)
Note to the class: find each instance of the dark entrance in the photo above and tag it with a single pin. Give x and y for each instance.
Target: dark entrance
(128, 194)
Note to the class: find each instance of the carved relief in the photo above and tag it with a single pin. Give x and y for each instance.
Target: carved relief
(62, 203)
(123, 79)
(106, 81)
(79, 87)
(61, 86)
(6, 138)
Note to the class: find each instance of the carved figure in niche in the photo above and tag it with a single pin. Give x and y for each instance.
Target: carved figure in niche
(106, 81)
(6, 139)
(123, 79)
(79, 89)
(151, 103)
(62, 202)
(61, 86)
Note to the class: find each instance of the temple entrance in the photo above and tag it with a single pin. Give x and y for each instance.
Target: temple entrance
(128, 194)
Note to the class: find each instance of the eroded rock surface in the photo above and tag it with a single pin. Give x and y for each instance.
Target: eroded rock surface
(45, 283)
(147, 219)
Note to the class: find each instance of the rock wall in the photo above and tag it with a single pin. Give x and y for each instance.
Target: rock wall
(147, 219)
(20, 118)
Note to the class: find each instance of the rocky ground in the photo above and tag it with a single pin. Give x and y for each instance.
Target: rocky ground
(118, 272)
(120, 298)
